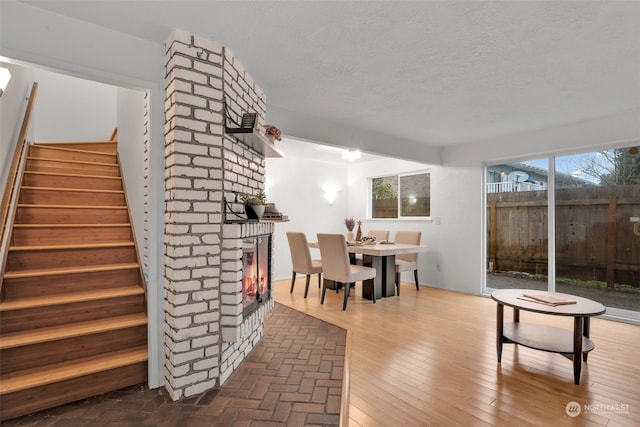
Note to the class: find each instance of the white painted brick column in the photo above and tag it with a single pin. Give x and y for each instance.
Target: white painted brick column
(206, 336)
(193, 195)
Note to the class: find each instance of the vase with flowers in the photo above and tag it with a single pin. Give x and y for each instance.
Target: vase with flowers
(350, 223)
(273, 133)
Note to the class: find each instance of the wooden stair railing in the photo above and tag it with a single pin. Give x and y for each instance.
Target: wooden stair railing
(73, 322)
(9, 195)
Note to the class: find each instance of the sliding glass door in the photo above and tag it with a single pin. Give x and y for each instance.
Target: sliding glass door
(595, 249)
(517, 255)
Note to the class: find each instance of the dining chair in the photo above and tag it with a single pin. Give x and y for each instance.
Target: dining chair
(301, 259)
(336, 265)
(380, 235)
(407, 262)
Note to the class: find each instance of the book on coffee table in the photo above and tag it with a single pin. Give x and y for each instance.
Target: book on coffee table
(548, 298)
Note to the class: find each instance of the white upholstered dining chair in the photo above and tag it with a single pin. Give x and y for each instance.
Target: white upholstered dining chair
(380, 235)
(336, 265)
(301, 259)
(407, 262)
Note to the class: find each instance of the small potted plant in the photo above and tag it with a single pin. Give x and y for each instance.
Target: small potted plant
(350, 223)
(273, 133)
(254, 205)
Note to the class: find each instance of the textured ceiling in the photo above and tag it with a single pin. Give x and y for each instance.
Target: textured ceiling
(434, 72)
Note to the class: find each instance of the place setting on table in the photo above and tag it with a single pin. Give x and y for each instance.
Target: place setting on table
(369, 241)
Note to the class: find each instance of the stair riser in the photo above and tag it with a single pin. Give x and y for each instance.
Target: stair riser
(41, 317)
(68, 197)
(63, 181)
(52, 153)
(37, 165)
(100, 147)
(27, 401)
(27, 260)
(30, 287)
(35, 215)
(36, 355)
(24, 236)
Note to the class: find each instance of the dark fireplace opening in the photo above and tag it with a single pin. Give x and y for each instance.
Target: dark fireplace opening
(256, 276)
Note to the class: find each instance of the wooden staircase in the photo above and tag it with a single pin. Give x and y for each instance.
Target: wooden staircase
(73, 320)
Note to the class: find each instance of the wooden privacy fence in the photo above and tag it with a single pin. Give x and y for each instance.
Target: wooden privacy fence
(594, 234)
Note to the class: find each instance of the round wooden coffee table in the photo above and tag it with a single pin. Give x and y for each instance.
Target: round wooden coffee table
(543, 337)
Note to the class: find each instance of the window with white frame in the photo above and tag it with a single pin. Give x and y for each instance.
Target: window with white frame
(403, 196)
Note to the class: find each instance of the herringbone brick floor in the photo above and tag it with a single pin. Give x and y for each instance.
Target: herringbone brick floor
(292, 377)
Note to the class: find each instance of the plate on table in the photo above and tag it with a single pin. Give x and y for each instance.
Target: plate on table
(354, 243)
(387, 242)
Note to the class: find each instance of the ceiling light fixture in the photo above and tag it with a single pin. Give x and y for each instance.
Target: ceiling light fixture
(350, 155)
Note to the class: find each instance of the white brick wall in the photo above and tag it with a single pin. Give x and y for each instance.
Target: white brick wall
(206, 336)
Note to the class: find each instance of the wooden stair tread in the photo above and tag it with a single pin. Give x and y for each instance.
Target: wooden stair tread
(49, 374)
(69, 270)
(70, 297)
(22, 205)
(71, 246)
(54, 333)
(78, 190)
(80, 162)
(73, 175)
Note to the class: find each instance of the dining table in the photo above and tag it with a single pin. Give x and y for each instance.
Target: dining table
(382, 257)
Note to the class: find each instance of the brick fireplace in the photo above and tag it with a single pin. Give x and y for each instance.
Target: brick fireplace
(256, 272)
(207, 332)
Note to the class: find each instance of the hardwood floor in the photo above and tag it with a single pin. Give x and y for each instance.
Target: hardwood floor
(429, 358)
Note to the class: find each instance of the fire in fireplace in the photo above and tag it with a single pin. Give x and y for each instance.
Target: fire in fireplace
(256, 278)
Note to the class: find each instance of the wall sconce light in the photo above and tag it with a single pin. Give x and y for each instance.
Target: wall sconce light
(330, 192)
(350, 155)
(330, 195)
(5, 76)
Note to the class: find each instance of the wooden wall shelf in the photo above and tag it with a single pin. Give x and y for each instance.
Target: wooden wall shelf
(257, 141)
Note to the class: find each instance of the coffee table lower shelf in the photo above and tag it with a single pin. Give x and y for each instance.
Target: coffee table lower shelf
(543, 337)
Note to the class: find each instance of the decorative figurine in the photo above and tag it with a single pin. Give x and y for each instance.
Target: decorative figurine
(359, 232)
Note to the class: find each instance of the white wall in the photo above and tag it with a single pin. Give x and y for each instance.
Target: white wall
(296, 185)
(456, 198)
(131, 150)
(13, 104)
(620, 130)
(72, 109)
